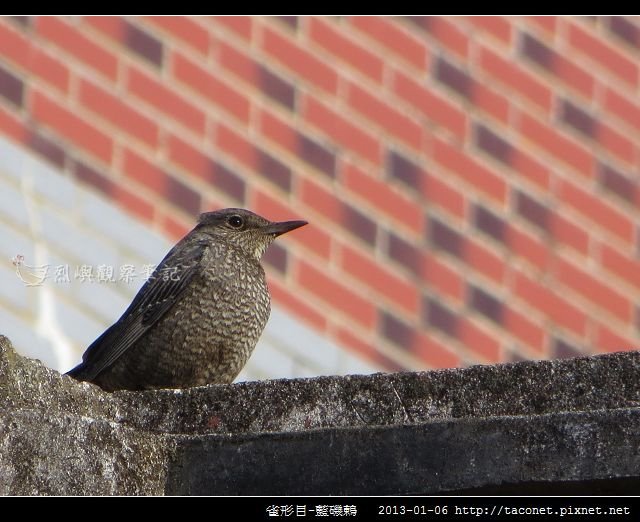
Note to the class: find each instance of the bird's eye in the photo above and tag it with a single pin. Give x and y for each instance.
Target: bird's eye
(235, 221)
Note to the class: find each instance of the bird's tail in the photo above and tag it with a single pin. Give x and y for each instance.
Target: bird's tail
(78, 372)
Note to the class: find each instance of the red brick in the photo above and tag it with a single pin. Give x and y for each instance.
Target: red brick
(430, 187)
(385, 31)
(256, 74)
(575, 76)
(214, 174)
(557, 145)
(608, 341)
(241, 25)
(321, 200)
(555, 308)
(524, 329)
(337, 296)
(478, 342)
(621, 265)
(282, 295)
(176, 229)
(112, 26)
(440, 276)
(434, 353)
(345, 49)
(276, 209)
(594, 208)
(23, 53)
(386, 284)
(520, 82)
(569, 233)
(498, 26)
(312, 238)
(278, 131)
(391, 122)
(314, 153)
(606, 55)
(484, 261)
(384, 198)
(300, 61)
(188, 157)
(622, 107)
(67, 37)
(50, 69)
(213, 201)
(170, 188)
(208, 85)
(547, 23)
(449, 34)
(491, 102)
(167, 101)
(239, 63)
(347, 338)
(443, 195)
(140, 207)
(342, 131)
(434, 107)
(466, 168)
(328, 204)
(529, 248)
(598, 293)
(529, 167)
(616, 144)
(252, 157)
(15, 47)
(184, 29)
(144, 172)
(115, 111)
(71, 126)
(11, 126)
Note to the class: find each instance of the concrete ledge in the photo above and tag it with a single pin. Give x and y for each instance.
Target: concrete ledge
(513, 428)
(428, 458)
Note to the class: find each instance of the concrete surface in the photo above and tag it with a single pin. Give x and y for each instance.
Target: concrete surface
(519, 428)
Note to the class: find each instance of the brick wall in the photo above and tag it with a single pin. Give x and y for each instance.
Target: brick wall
(472, 183)
(84, 259)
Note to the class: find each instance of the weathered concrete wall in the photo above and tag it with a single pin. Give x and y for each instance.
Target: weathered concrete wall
(550, 423)
(61, 437)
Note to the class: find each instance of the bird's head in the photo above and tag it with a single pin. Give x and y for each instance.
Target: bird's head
(244, 229)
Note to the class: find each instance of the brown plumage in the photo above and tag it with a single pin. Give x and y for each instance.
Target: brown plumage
(198, 318)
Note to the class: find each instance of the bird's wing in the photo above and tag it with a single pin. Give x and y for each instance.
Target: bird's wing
(163, 290)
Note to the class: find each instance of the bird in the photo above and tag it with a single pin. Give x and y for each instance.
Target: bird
(198, 317)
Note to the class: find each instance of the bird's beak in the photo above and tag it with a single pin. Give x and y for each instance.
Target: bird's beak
(282, 227)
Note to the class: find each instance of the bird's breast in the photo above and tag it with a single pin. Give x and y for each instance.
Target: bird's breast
(235, 288)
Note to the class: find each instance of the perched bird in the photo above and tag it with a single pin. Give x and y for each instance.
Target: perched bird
(198, 317)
